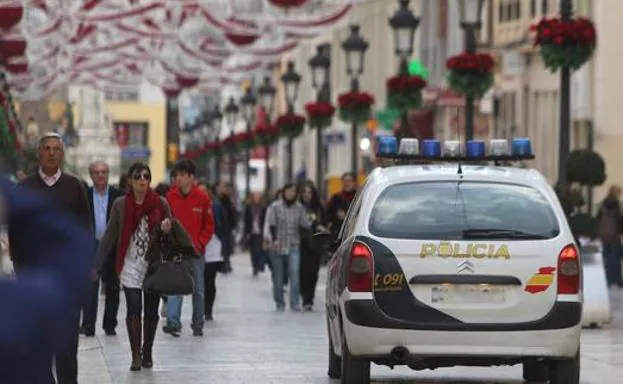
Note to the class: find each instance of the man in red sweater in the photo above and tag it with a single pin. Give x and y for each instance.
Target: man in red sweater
(193, 209)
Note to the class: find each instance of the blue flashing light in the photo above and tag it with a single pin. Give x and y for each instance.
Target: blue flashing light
(475, 149)
(387, 145)
(431, 148)
(521, 147)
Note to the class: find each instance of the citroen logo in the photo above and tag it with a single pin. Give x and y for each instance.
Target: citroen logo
(465, 266)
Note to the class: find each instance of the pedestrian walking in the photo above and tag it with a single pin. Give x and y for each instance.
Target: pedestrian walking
(40, 306)
(70, 197)
(225, 193)
(284, 224)
(610, 226)
(338, 204)
(101, 198)
(213, 255)
(193, 209)
(134, 223)
(310, 258)
(254, 216)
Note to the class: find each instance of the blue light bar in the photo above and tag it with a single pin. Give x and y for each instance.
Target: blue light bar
(521, 147)
(387, 146)
(431, 149)
(475, 149)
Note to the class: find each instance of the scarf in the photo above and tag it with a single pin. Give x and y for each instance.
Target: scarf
(348, 197)
(133, 213)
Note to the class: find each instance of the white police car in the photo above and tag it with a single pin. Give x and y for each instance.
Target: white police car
(446, 264)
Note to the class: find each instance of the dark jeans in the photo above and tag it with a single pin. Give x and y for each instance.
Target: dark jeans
(258, 255)
(612, 263)
(140, 302)
(209, 273)
(310, 264)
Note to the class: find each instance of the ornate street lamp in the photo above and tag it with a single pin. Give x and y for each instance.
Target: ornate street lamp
(248, 102)
(320, 65)
(471, 21)
(217, 120)
(266, 94)
(231, 113)
(404, 24)
(355, 47)
(291, 81)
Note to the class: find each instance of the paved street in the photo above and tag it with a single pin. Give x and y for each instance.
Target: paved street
(249, 343)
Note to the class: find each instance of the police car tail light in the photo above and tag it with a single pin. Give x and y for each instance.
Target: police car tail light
(569, 271)
(360, 269)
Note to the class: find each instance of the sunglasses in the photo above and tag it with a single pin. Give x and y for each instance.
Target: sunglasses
(142, 175)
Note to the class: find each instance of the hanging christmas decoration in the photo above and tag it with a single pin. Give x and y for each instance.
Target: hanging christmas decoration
(320, 114)
(470, 74)
(355, 107)
(266, 134)
(290, 125)
(565, 43)
(405, 92)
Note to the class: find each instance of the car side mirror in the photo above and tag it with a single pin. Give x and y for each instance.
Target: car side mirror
(322, 241)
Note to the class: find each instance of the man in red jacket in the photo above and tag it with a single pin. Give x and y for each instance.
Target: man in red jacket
(193, 209)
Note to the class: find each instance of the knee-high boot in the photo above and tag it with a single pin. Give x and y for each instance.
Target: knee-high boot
(135, 335)
(149, 333)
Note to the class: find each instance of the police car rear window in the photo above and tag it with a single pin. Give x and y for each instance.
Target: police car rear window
(461, 211)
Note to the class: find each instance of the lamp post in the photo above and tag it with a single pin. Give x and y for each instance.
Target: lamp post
(217, 119)
(404, 24)
(231, 114)
(471, 22)
(248, 103)
(355, 47)
(291, 81)
(566, 12)
(266, 94)
(319, 65)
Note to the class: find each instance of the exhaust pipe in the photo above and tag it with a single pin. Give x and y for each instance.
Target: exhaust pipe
(399, 353)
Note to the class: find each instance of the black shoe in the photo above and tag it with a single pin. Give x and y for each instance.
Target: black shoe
(88, 332)
(110, 332)
(209, 318)
(198, 332)
(171, 330)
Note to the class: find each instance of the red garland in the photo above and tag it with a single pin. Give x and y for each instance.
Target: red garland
(266, 134)
(290, 124)
(471, 62)
(559, 32)
(320, 114)
(287, 3)
(405, 84)
(355, 100)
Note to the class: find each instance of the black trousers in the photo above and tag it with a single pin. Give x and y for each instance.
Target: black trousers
(141, 303)
(112, 290)
(310, 264)
(66, 358)
(209, 273)
(89, 309)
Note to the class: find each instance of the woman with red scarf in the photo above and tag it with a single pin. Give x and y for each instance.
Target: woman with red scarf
(135, 218)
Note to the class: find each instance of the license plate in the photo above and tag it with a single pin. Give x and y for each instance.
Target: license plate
(468, 294)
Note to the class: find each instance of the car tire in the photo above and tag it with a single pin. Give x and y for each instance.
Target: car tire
(565, 371)
(355, 370)
(535, 371)
(335, 362)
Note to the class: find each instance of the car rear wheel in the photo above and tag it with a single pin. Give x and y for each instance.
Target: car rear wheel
(565, 371)
(335, 362)
(535, 371)
(355, 370)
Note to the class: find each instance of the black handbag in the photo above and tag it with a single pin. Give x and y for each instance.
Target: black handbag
(172, 275)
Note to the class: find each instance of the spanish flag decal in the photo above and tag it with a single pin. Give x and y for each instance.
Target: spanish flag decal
(540, 281)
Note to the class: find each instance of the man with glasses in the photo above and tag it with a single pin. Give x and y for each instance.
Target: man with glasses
(69, 195)
(101, 197)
